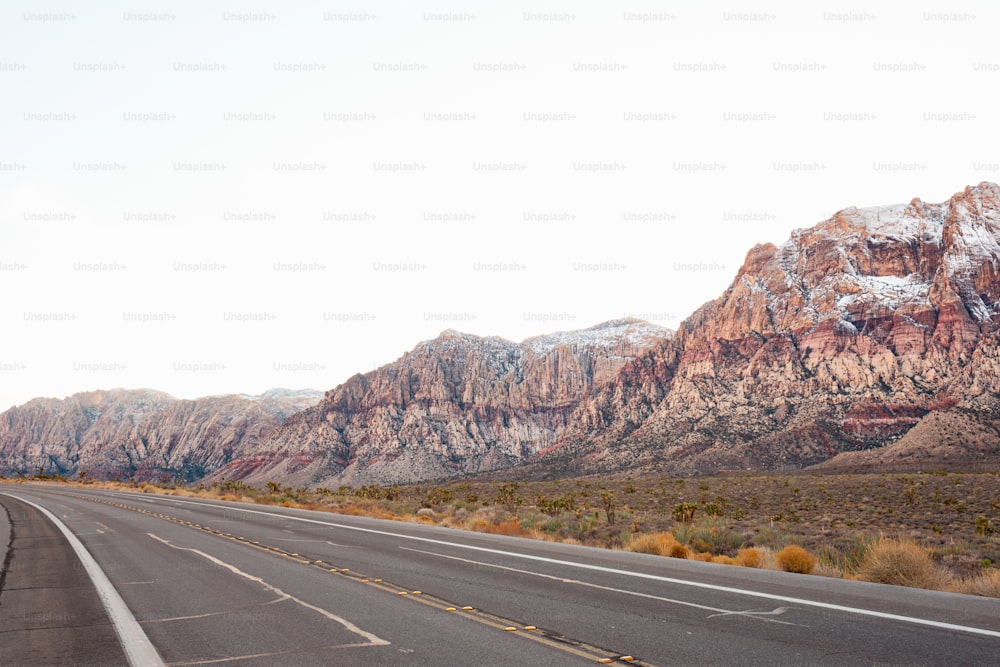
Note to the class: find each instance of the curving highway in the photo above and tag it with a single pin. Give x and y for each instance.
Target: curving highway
(195, 582)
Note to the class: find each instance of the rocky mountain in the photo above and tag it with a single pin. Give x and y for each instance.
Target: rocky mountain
(871, 339)
(875, 326)
(140, 433)
(456, 404)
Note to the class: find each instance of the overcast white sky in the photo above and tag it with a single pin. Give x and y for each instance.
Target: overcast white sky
(215, 197)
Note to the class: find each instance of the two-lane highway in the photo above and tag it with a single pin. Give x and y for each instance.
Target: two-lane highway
(211, 582)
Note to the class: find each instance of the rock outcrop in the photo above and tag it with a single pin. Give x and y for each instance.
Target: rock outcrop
(843, 338)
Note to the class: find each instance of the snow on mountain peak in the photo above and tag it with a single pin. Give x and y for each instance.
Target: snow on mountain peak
(626, 331)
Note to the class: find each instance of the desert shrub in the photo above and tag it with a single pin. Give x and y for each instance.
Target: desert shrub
(701, 544)
(984, 526)
(796, 559)
(508, 497)
(683, 532)
(710, 534)
(724, 560)
(749, 557)
(438, 495)
(679, 551)
(509, 527)
(986, 584)
(556, 506)
(703, 557)
(684, 512)
(659, 544)
(608, 502)
(551, 526)
(901, 563)
(713, 509)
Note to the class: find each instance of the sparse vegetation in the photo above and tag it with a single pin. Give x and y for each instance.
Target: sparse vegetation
(944, 519)
(901, 563)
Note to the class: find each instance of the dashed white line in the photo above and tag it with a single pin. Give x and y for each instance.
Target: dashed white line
(611, 570)
(719, 612)
(371, 639)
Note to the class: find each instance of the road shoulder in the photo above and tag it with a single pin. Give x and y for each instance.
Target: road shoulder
(50, 611)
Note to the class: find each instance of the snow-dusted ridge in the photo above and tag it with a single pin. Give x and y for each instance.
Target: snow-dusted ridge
(282, 392)
(610, 334)
(892, 257)
(629, 331)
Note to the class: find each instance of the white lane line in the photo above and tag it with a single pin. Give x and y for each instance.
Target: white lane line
(138, 649)
(257, 656)
(611, 570)
(214, 613)
(719, 612)
(372, 640)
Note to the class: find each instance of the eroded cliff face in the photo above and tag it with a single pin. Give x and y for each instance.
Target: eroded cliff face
(141, 433)
(456, 404)
(843, 338)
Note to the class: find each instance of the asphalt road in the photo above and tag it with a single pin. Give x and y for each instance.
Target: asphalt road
(228, 583)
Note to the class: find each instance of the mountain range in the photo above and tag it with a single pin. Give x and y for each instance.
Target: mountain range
(868, 341)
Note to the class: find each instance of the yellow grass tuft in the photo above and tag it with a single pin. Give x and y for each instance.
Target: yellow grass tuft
(679, 551)
(901, 563)
(796, 559)
(658, 544)
(511, 527)
(750, 557)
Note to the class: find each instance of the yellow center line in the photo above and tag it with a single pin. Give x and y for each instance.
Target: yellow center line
(535, 634)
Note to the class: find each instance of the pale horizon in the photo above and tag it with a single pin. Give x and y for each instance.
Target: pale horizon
(207, 201)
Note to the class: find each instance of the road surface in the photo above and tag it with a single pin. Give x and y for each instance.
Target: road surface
(209, 582)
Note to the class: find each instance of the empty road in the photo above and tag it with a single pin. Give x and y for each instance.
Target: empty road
(206, 582)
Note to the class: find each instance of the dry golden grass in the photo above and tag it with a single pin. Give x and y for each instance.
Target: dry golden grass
(795, 559)
(510, 527)
(679, 551)
(658, 544)
(986, 584)
(749, 557)
(902, 563)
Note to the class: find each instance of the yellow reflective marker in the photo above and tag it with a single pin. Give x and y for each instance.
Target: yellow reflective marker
(605, 660)
(416, 592)
(450, 609)
(364, 581)
(510, 628)
(627, 658)
(467, 608)
(401, 593)
(378, 580)
(530, 627)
